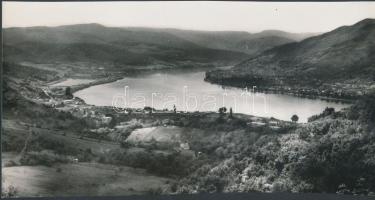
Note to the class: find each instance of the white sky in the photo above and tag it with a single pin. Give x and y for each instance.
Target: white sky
(239, 16)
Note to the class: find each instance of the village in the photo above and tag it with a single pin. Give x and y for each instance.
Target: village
(106, 117)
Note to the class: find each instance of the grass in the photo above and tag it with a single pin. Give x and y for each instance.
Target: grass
(70, 139)
(159, 134)
(83, 179)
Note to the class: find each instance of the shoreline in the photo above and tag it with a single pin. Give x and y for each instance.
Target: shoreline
(105, 80)
(266, 90)
(76, 88)
(291, 92)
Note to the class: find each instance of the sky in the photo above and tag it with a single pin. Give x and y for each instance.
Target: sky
(213, 16)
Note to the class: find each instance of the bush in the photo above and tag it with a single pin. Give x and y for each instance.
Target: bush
(155, 191)
(9, 192)
(12, 142)
(10, 163)
(44, 157)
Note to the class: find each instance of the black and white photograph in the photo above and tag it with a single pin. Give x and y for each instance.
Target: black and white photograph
(140, 98)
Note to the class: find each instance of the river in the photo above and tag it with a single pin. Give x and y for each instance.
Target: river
(189, 92)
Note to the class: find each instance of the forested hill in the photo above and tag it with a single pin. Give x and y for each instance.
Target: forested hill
(342, 55)
(98, 44)
(249, 43)
(333, 153)
(134, 46)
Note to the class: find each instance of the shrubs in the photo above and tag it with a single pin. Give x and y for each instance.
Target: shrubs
(339, 157)
(332, 153)
(164, 164)
(42, 115)
(155, 191)
(10, 163)
(171, 164)
(12, 142)
(327, 112)
(214, 184)
(58, 170)
(44, 157)
(9, 192)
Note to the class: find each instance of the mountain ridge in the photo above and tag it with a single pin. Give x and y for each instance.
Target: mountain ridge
(222, 40)
(345, 54)
(92, 41)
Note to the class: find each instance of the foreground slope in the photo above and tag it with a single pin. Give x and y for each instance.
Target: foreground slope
(334, 152)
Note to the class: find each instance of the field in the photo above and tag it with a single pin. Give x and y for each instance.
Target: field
(167, 134)
(77, 178)
(70, 139)
(80, 179)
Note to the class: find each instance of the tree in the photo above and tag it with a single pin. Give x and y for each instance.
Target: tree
(68, 92)
(125, 144)
(222, 110)
(113, 121)
(148, 109)
(153, 143)
(294, 118)
(328, 111)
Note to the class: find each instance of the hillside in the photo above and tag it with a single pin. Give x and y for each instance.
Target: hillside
(288, 35)
(249, 43)
(100, 44)
(258, 45)
(333, 153)
(136, 46)
(344, 55)
(50, 134)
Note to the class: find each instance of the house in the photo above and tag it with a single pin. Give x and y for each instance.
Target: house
(273, 123)
(106, 120)
(274, 127)
(69, 101)
(184, 146)
(257, 124)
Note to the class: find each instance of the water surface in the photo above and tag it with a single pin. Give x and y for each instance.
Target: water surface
(189, 92)
(72, 82)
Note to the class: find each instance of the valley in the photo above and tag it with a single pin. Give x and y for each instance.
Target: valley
(59, 123)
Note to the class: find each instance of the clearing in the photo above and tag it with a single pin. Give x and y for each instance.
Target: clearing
(84, 179)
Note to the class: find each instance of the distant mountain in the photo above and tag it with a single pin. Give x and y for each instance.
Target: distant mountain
(97, 43)
(258, 45)
(210, 39)
(91, 33)
(241, 41)
(346, 53)
(136, 46)
(290, 36)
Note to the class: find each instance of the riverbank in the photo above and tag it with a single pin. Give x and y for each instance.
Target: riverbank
(98, 80)
(303, 93)
(335, 92)
(196, 151)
